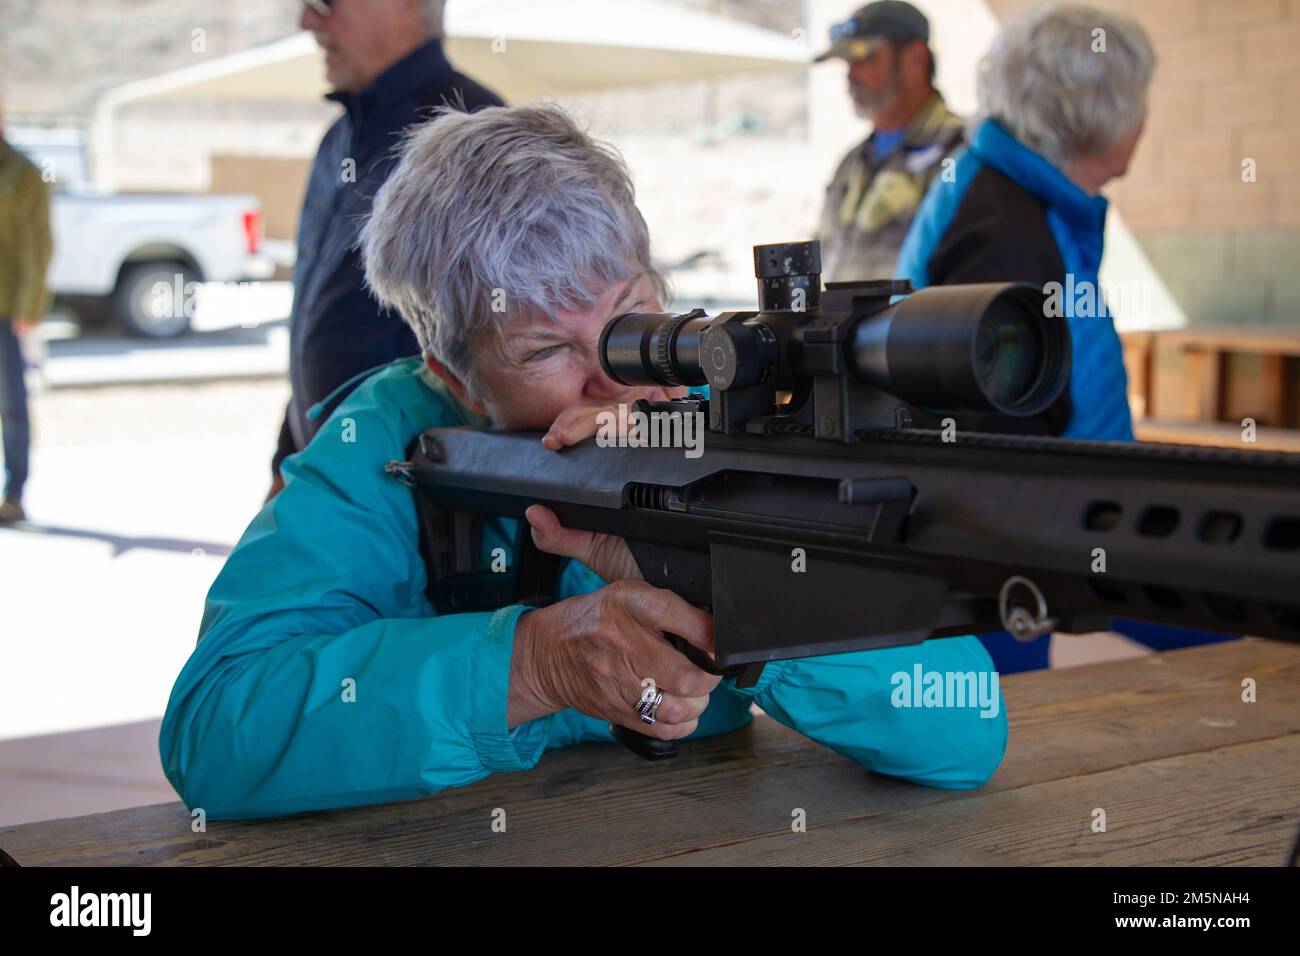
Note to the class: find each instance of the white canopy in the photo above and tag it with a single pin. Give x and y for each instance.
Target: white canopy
(520, 48)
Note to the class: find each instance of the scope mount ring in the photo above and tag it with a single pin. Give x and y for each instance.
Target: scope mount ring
(1022, 623)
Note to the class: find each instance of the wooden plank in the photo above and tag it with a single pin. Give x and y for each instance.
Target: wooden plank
(1134, 711)
(1195, 375)
(1231, 806)
(1264, 339)
(1203, 398)
(1218, 434)
(1260, 387)
(599, 804)
(1277, 382)
(1137, 348)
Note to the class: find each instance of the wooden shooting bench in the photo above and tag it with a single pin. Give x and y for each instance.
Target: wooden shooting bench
(1197, 386)
(1186, 772)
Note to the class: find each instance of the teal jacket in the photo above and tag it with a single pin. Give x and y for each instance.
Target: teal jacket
(323, 677)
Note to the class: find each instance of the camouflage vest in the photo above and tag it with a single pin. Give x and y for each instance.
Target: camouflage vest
(870, 203)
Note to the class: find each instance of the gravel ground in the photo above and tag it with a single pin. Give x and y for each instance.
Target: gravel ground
(137, 493)
(115, 415)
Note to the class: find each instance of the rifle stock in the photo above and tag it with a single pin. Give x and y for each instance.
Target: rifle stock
(906, 537)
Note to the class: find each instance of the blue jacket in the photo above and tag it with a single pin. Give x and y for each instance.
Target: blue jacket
(325, 591)
(1098, 383)
(337, 329)
(996, 236)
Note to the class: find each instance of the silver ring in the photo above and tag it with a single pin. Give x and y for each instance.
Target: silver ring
(648, 708)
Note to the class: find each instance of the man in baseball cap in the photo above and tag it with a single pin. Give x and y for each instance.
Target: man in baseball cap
(878, 186)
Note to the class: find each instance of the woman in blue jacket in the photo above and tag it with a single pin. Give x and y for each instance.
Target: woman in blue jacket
(323, 677)
(1063, 98)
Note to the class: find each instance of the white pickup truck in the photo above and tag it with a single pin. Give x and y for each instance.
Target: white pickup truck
(140, 257)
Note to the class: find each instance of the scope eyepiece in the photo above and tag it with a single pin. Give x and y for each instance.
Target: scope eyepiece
(648, 348)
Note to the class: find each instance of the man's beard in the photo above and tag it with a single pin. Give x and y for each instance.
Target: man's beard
(867, 104)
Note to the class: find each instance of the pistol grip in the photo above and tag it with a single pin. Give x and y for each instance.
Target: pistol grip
(651, 748)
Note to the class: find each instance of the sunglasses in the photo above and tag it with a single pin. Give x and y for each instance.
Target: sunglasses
(844, 29)
(322, 7)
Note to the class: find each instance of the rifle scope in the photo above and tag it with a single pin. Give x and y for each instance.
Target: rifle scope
(980, 348)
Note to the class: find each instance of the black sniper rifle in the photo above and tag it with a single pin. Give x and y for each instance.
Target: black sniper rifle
(906, 536)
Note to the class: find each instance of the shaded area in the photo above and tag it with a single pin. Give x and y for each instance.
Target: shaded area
(106, 339)
(122, 543)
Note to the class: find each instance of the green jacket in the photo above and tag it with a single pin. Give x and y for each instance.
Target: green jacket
(870, 203)
(325, 591)
(25, 244)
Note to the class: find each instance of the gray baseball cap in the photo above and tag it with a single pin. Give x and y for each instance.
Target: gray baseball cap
(858, 37)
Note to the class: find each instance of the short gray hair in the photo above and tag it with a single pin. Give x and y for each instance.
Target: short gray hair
(433, 16)
(1043, 81)
(506, 212)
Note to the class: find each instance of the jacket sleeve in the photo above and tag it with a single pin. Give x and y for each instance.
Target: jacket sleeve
(31, 298)
(854, 704)
(320, 680)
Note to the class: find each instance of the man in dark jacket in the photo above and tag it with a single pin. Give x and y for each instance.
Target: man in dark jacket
(386, 64)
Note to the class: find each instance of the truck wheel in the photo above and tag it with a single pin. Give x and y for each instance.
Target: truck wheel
(151, 299)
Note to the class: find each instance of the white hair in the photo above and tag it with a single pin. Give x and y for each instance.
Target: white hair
(1067, 81)
(433, 16)
(511, 211)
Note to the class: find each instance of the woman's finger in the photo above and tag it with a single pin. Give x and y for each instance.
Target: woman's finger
(607, 555)
(662, 610)
(675, 717)
(553, 538)
(574, 425)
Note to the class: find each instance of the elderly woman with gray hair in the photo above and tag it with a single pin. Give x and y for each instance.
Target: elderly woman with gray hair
(323, 676)
(1063, 96)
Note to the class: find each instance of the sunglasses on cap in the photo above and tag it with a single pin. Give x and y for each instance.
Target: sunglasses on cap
(844, 30)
